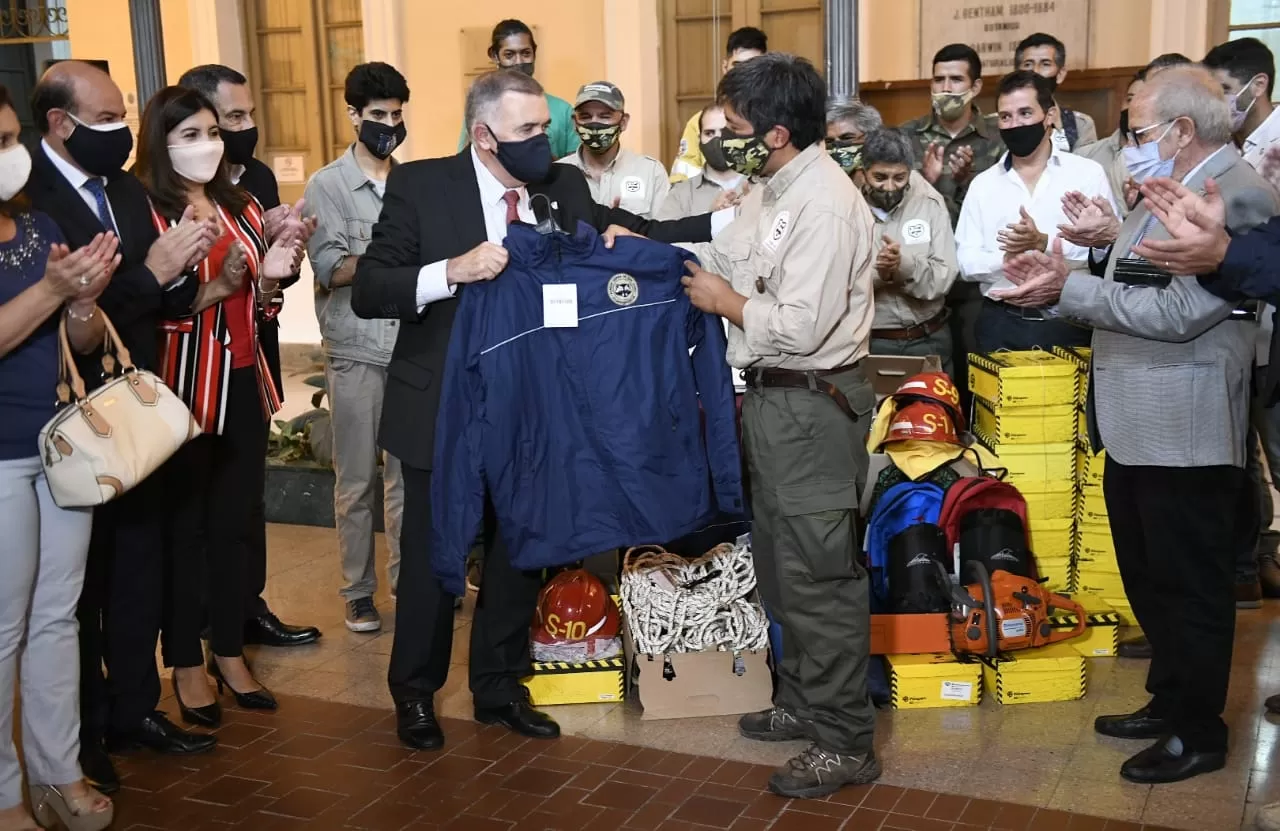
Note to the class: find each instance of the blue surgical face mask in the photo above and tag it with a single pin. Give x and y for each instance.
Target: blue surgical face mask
(1144, 162)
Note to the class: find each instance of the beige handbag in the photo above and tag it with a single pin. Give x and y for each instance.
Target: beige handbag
(102, 444)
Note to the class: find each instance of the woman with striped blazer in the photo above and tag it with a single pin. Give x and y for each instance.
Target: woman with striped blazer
(213, 361)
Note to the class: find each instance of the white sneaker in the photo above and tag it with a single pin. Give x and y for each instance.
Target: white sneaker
(1268, 817)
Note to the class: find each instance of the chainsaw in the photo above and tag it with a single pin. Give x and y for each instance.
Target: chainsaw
(1002, 612)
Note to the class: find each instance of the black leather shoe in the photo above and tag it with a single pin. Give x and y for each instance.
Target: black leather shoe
(1157, 765)
(1139, 725)
(97, 768)
(1138, 648)
(1273, 704)
(520, 717)
(269, 630)
(417, 727)
(259, 699)
(209, 715)
(157, 733)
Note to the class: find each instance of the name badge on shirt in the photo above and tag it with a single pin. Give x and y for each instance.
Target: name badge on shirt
(915, 232)
(560, 306)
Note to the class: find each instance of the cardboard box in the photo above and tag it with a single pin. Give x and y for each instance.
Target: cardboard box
(1033, 468)
(1051, 673)
(1102, 633)
(910, 634)
(1103, 583)
(693, 684)
(887, 372)
(589, 682)
(1025, 425)
(1023, 379)
(919, 682)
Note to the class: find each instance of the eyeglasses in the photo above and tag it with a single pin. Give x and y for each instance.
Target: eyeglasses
(1134, 136)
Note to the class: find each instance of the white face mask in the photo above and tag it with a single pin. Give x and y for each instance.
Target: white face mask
(15, 169)
(196, 162)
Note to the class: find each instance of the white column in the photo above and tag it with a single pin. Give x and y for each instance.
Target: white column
(383, 22)
(217, 34)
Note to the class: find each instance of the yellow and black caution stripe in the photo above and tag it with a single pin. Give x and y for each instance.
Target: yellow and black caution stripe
(1068, 621)
(562, 667)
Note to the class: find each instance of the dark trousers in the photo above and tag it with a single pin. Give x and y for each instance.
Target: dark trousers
(1000, 328)
(256, 566)
(215, 486)
(965, 303)
(1176, 545)
(120, 612)
(423, 644)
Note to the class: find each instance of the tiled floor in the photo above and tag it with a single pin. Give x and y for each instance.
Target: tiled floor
(320, 765)
(1045, 756)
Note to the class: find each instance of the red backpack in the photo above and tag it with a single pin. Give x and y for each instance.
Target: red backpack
(987, 519)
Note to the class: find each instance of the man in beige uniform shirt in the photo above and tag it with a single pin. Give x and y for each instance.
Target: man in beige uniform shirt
(618, 177)
(793, 275)
(716, 186)
(915, 252)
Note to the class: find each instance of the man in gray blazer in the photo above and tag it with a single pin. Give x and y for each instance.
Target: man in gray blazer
(1169, 401)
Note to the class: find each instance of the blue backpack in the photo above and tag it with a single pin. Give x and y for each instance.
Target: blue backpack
(901, 507)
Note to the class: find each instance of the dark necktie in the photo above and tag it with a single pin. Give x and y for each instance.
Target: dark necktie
(94, 186)
(512, 198)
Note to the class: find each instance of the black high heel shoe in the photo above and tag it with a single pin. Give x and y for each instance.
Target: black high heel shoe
(259, 699)
(209, 715)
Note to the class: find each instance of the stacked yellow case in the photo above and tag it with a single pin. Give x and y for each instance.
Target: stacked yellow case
(1025, 413)
(1051, 673)
(938, 680)
(1097, 571)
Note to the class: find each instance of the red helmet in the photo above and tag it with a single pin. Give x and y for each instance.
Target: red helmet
(924, 421)
(575, 606)
(934, 387)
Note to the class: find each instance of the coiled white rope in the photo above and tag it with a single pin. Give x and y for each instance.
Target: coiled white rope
(677, 605)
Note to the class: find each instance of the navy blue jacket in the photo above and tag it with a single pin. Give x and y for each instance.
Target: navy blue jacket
(1250, 272)
(587, 438)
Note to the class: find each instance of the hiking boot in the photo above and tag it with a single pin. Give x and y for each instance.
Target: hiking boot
(362, 615)
(817, 772)
(777, 724)
(1249, 595)
(1269, 574)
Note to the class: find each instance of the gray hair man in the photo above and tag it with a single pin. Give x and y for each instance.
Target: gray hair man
(915, 251)
(1170, 403)
(849, 122)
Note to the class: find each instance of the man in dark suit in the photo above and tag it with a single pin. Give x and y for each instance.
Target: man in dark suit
(76, 179)
(442, 224)
(229, 92)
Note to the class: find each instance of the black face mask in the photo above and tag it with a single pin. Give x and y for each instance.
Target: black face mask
(238, 145)
(713, 154)
(1023, 141)
(382, 139)
(100, 152)
(526, 68)
(528, 160)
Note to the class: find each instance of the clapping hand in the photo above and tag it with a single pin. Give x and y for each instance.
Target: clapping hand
(931, 166)
(962, 164)
(80, 276)
(1269, 167)
(1038, 278)
(1197, 227)
(234, 266)
(1021, 236)
(286, 223)
(182, 246)
(1091, 222)
(283, 258)
(1132, 192)
(889, 259)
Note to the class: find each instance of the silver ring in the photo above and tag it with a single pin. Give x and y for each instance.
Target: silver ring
(85, 279)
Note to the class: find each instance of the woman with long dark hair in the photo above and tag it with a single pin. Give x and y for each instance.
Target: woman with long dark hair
(45, 547)
(213, 360)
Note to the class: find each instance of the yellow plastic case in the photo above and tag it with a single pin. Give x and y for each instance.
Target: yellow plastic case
(1052, 538)
(1026, 425)
(1023, 379)
(918, 682)
(1033, 468)
(590, 682)
(1051, 673)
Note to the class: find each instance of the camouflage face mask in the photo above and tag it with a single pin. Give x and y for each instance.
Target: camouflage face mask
(745, 154)
(598, 137)
(846, 154)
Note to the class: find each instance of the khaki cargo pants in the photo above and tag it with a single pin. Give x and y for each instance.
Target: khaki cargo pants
(807, 461)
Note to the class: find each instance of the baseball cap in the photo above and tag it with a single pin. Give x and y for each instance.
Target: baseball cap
(603, 92)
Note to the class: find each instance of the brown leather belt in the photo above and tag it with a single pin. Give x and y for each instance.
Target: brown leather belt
(807, 380)
(920, 330)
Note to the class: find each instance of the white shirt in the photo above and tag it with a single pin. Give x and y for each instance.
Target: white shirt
(992, 204)
(433, 283)
(1255, 146)
(77, 179)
